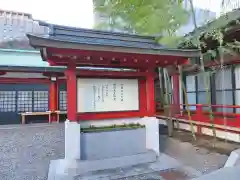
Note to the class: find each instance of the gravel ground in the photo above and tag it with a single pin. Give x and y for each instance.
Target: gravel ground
(170, 174)
(201, 159)
(149, 176)
(25, 151)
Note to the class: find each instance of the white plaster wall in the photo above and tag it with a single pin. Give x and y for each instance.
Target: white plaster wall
(208, 131)
(184, 126)
(222, 134)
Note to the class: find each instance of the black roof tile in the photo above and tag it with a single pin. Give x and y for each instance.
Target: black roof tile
(97, 37)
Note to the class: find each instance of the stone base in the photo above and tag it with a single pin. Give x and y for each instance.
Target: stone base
(67, 169)
(152, 134)
(233, 159)
(72, 140)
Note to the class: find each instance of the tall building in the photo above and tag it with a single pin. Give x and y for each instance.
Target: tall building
(14, 26)
(230, 5)
(202, 17)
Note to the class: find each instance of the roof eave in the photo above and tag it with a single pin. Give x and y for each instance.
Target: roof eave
(40, 42)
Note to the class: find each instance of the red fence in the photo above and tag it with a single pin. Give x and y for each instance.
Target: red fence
(201, 115)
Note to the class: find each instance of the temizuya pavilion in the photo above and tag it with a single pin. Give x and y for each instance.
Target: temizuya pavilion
(75, 47)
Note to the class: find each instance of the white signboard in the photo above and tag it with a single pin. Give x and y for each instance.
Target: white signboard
(102, 95)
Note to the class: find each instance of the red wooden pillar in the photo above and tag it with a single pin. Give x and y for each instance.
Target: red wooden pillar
(176, 96)
(71, 92)
(53, 94)
(142, 96)
(151, 109)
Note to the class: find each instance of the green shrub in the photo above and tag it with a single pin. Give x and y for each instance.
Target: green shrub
(112, 127)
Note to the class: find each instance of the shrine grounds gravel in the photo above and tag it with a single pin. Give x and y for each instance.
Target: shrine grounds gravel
(26, 150)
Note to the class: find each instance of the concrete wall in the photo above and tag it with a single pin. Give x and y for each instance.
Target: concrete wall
(100, 145)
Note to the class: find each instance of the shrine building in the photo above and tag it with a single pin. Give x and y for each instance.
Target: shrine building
(29, 85)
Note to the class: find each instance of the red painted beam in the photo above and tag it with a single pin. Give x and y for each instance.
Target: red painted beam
(110, 59)
(2, 73)
(23, 80)
(110, 74)
(53, 74)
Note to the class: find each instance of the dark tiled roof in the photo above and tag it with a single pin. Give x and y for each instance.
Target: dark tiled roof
(75, 38)
(96, 37)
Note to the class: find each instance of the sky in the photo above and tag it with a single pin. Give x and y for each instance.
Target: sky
(77, 13)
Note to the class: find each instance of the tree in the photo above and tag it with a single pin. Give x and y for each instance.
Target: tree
(147, 17)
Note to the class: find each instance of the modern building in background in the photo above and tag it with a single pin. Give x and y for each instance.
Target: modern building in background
(230, 5)
(14, 26)
(203, 16)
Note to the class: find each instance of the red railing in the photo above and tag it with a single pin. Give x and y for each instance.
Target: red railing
(203, 115)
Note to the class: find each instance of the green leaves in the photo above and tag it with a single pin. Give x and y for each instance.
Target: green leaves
(150, 17)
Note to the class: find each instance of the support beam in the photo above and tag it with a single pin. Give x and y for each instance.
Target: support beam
(71, 92)
(151, 109)
(176, 94)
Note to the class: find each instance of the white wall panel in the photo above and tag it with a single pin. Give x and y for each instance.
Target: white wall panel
(101, 95)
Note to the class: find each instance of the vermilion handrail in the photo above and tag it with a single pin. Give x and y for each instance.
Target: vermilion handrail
(199, 109)
(205, 105)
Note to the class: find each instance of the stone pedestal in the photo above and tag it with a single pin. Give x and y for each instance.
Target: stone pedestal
(72, 140)
(152, 134)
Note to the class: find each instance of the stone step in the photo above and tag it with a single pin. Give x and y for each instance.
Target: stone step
(65, 169)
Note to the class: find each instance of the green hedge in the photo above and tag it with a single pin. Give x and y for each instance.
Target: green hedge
(112, 127)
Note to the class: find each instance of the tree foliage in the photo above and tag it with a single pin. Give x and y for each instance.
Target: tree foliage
(149, 17)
